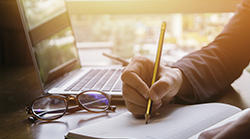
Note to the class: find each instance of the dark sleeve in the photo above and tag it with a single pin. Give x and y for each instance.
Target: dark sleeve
(216, 66)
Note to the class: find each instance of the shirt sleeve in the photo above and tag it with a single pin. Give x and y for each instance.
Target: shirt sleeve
(214, 67)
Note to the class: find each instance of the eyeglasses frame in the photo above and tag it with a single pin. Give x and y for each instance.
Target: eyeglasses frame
(66, 98)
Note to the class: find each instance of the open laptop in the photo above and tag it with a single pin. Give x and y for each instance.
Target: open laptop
(52, 45)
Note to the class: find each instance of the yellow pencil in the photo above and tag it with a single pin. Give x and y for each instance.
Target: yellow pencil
(157, 64)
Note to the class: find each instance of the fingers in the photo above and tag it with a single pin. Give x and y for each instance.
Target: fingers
(167, 86)
(135, 109)
(135, 102)
(139, 111)
(158, 90)
(136, 74)
(137, 78)
(134, 81)
(129, 93)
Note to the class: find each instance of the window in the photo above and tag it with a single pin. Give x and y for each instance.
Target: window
(127, 28)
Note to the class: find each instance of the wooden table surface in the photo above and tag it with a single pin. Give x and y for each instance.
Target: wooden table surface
(19, 86)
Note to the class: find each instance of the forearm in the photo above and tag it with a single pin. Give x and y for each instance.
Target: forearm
(216, 66)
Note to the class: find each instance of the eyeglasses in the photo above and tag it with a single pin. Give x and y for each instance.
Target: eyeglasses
(53, 107)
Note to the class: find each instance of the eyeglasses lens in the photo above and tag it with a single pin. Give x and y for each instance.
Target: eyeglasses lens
(49, 108)
(94, 101)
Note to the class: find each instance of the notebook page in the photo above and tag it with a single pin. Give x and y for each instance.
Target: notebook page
(223, 122)
(173, 121)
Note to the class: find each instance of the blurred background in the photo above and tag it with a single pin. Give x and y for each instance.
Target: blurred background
(130, 31)
(128, 28)
(130, 35)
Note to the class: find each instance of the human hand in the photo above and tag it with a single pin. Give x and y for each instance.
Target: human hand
(137, 78)
(238, 129)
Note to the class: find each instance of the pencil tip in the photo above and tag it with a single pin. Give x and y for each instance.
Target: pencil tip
(147, 116)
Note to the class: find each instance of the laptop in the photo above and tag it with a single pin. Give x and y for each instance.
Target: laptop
(54, 53)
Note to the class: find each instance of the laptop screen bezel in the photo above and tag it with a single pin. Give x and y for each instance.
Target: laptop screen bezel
(43, 86)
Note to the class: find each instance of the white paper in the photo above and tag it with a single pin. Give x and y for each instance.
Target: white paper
(223, 122)
(173, 121)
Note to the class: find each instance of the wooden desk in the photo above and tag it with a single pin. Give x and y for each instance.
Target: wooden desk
(19, 86)
(240, 97)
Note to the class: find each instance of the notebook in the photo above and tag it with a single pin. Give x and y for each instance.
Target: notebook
(53, 49)
(170, 122)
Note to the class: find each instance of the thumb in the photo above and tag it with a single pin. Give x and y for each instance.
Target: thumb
(158, 90)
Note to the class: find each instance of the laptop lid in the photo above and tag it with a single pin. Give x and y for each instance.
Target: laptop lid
(50, 37)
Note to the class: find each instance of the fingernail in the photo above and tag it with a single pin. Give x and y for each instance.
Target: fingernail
(155, 97)
(157, 102)
(145, 95)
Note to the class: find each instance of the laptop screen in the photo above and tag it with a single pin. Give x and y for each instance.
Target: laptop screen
(51, 37)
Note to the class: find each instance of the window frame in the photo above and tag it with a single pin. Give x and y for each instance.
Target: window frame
(150, 6)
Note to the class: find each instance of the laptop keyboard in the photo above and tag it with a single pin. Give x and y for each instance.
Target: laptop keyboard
(107, 80)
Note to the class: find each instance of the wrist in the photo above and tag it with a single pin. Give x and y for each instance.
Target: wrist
(186, 93)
